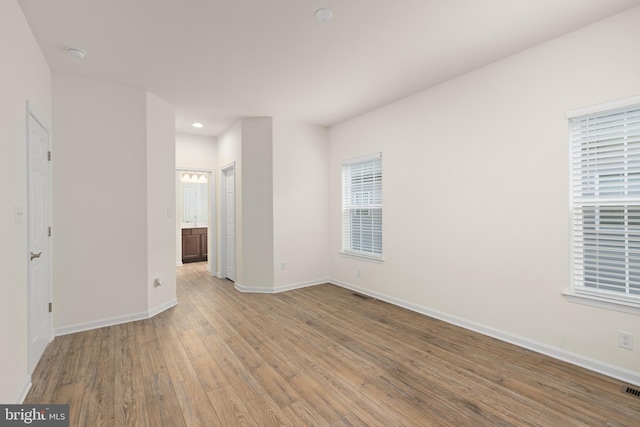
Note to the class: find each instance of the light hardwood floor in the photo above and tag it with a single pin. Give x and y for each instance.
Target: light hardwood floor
(316, 356)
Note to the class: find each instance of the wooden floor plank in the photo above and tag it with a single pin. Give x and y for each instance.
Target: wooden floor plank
(209, 372)
(175, 356)
(98, 400)
(230, 408)
(237, 374)
(194, 404)
(162, 402)
(313, 356)
(44, 385)
(267, 413)
(129, 400)
(192, 343)
(302, 413)
(152, 358)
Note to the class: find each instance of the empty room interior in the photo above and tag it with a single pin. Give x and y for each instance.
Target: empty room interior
(423, 212)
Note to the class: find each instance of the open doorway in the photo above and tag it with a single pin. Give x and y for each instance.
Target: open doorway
(195, 235)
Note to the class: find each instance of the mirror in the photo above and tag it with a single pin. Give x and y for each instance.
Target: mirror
(194, 188)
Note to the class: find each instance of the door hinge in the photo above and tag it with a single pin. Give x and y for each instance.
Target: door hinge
(49, 231)
(50, 307)
(49, 155)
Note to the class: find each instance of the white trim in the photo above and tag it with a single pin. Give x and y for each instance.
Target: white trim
(353, 254)
(366, 158)
(218, 275)
(602, 302)
(300, 285)
(187, 169)
(281, 288)
(252, 290)
(179, 264)
(25, 389)
(162, 307)
(117, 320)
(554, 352)
(618, 103)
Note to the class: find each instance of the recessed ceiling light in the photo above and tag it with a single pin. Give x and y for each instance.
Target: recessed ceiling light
(76, 53)
(197, 125)
(323, 15)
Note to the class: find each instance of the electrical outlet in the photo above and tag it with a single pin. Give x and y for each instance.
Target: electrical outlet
(283, 266)
(359, 274)
(625, 340)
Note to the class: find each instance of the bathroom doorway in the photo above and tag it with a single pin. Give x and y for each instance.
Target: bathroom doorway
(195, 235)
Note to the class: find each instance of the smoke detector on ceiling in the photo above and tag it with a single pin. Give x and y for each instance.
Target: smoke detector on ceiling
(323, 15)
(76, 53)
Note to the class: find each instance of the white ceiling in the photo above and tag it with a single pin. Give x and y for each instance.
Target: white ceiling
(219, 60)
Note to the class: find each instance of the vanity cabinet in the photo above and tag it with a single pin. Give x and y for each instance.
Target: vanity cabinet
(194, 244)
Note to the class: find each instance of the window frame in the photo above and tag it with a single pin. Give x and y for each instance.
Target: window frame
(371, 241)
(579, 291)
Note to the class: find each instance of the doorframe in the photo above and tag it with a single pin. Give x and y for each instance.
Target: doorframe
(223, 216)
(32, 115)
(211, 220)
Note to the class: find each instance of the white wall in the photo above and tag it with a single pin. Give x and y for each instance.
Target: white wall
(161, 201)
(247, 144)
(99, 201)
(195, 151)
(476, 201)
(300, 214)
(281, 215)
(256, 193)
(24, 74)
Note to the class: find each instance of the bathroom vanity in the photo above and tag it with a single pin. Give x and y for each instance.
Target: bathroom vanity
(194, 244)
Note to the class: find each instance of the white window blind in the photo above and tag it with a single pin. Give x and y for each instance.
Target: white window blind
(605, 193)
(362, 207)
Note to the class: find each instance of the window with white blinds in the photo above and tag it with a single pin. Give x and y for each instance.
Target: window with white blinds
(605, 193)
(362, 207)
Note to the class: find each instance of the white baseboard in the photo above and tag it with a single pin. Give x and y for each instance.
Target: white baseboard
(25, 389)
(179, 264)
(252, 290)
(277, 289)
(159, 309)
(306, 284)
(621, 374)
(117, 320)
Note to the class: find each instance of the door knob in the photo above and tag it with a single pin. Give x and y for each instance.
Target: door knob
(35, 255)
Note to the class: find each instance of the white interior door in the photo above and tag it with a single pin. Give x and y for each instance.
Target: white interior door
(230, 223)
(39, 254)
